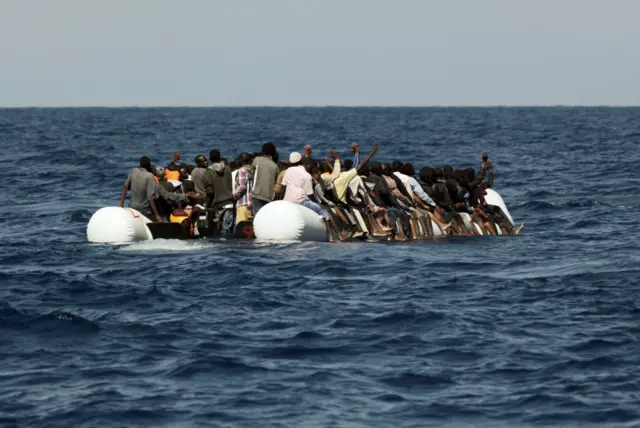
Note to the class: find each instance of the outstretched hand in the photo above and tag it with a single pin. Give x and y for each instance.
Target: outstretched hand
(354, 148)
(177, 155)
(334, 155)
(307, 149)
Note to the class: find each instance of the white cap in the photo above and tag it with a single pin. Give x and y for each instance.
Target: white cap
(295, 157)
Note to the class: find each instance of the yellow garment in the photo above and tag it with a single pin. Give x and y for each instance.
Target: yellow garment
(342, 182)
(171, 175)
(243, 214)
(177, 218)
(330, 178)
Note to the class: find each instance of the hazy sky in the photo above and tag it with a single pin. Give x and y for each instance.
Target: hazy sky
(319, 52)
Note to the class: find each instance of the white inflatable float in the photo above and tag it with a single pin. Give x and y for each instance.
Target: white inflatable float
(115, 225)
(286, 221)
(276, 221)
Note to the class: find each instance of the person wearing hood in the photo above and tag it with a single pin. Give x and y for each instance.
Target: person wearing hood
(217, 184)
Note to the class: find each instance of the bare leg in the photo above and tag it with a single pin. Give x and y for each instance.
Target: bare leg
(444, 226)
(490, 227)
(516, 230)
(332, 237)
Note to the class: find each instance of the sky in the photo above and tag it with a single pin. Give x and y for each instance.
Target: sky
(319, 52)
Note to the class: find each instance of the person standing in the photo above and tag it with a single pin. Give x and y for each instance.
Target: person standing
(243, 189)
(265, 172)
(217, 183)
(143, 189)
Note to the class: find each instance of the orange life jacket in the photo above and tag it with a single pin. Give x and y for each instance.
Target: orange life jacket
(180, 219)
(171, 175)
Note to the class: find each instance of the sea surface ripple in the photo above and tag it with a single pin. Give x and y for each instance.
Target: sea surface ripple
(541, 329)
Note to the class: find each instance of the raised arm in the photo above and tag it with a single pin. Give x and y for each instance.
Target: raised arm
(368, 158)
(335, 172)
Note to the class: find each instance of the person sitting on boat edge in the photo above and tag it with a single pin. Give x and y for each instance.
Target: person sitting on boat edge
(298, 185)
(142, 185)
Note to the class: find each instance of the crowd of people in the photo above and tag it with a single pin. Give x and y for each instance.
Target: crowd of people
(356, 198)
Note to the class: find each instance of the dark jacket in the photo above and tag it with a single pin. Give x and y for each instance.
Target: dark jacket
(441, 195)
(217, 185)
(386, 195)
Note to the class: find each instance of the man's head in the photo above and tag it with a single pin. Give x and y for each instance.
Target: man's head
(437, 174)
(145, 162)
(214, 156)
(470, 174)
(376, 168)
(347, 164)
(201, 161)
(295, 158)
(447, 170)
(184, 174)
(364, 171)
(426, 174)
(315, 173)
(396, 166)
(244, 159)
(310, 164)
(407, 169)
(269, 149)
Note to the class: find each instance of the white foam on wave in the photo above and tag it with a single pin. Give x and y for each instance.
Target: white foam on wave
(169, 245)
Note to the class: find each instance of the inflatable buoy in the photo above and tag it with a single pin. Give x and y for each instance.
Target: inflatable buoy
(115, 225)
(493, 198)
(286, 221)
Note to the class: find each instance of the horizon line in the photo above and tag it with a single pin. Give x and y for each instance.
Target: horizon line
(321, 106)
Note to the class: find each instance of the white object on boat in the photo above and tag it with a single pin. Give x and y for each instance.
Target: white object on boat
(115, 225)
(286, 221)
(493, 198)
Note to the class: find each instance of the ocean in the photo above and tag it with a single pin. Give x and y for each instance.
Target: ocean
(540, 329)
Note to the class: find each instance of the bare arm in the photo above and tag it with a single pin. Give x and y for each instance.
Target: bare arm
(368, 158)
(154, 210)
(335, 172)
(125, 188)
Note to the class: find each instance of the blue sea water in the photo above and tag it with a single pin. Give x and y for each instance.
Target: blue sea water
(540, 329)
